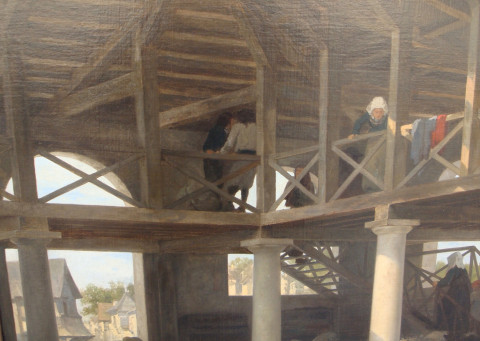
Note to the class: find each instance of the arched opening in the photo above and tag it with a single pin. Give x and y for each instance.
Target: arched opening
(102, 278)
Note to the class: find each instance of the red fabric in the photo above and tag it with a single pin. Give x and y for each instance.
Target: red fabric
(440, 128)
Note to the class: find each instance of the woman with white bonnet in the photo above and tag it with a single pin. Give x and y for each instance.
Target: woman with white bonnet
(453, 299)
(376, 117)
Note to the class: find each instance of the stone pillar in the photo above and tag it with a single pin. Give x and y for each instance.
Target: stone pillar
(37, 289)
(7, 321)
(266, 316)
(386, 315)
(140, 297)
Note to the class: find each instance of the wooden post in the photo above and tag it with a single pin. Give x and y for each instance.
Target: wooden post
(322, 126)
(266, 136)
(469, 159)
(334, 114)
(23, 168)
(147, 108)
(398, 100)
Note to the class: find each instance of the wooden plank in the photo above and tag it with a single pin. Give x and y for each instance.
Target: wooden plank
(202, 155)
(85, 99)
(193, 14)
(471, 122)
(102, 59)
(204, 78)
(204, 39)
(201, 109)
(207, 58)
(429, 214)
(125, 214)
(456, 25)
(156, 18)
(369, 201)
(266, 120)
(449, 10)
(222, 241)
(105, 244)
(247, 32)
(148, 122)
(23, 168)
(295, 152)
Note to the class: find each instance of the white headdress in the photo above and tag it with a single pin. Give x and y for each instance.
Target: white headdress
(377, 102)
(455, 259)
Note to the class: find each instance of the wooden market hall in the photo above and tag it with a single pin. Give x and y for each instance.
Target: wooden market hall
(132, 87)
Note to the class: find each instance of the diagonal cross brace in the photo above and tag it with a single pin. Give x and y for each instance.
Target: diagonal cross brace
(210, 185)
(92, 178)
(294, 182)
(359, 167)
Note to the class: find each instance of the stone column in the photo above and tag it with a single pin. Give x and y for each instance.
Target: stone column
(386, 315)
(37, 289)
(266, 316)
(7, 321)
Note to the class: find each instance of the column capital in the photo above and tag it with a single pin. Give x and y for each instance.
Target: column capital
(258, 244)
(22, 237)
(392, 226)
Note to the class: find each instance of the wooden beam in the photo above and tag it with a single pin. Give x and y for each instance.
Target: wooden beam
(199, 38)
(247, 32)
(105, 244)
(156, 19)
(23, 168)
(101, 60)
(205, 15)
(469, 160)
(456, 25)
(449, 10)
(207, 58)
(430, 214)
(369, 201)
(210, 244)
(205, 78)
(85, 99)
(199, 110)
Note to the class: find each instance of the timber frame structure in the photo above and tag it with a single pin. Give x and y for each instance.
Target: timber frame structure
(131, 87)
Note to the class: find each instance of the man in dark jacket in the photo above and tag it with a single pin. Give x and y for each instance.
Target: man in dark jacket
(215, 140)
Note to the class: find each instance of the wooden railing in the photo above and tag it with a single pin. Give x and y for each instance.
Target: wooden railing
(359, 167)
(169, 157)
(419, 293)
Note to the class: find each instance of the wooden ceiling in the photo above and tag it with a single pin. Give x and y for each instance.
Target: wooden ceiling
(76, 58)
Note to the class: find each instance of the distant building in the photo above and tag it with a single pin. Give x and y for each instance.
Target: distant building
(115, 320)
(65, 293)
